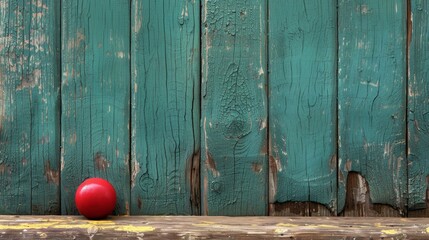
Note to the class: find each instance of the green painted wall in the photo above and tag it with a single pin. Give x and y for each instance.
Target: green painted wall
(372, 100)
(418, 106)
(216, 107)
(302, 90)
(95, 93)
(165, 107)
(234, 108)
(29, 107)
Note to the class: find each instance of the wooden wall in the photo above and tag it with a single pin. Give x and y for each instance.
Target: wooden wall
(216, 107)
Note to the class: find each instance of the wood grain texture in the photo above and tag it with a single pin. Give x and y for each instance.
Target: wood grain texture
(165, 107)
(29, 107)
(95, 97)
(358, 202)
(296, 209)
(234, 108)
(181, 227)
(302, 113)
(418, 109)
(371, 95)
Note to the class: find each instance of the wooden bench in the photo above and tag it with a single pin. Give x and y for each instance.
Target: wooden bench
(193, 227)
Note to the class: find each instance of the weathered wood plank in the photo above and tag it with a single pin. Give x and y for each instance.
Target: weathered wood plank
(165, 107)
(95, 97)
(302, 93)
(155, 227)
(299, 209)
(234, 108)
(418, 109)
(358, 202)
(371, 95)
(29, 107)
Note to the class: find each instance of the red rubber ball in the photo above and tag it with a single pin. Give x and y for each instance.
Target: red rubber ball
(95, 198)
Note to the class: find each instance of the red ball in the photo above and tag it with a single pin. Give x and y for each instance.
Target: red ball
(95, 198)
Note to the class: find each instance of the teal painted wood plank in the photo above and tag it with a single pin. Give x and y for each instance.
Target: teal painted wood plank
(29, 107)
(418, 106)
(371, 107)
(95, 97)
(165, 107)
(234, 108)
(302, 95)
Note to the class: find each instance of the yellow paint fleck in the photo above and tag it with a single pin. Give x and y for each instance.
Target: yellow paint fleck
(23, 226)
(326, 226)
(42, 234)
(427, 230)
(389, 231)
(208, 222)
(283, 227)
(286, 225)
(76, 226)
(135, 229)
(204, 224)
(99, 225)
(101, 222)
(211, 225)
(280, 230)
(107, 225)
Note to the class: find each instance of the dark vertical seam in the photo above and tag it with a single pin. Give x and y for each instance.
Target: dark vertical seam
(201, 181)
(198, 171)
(407, 79)
(27, 73)
(59, 100)
(337, 130)
(130, 114)
(267, 156)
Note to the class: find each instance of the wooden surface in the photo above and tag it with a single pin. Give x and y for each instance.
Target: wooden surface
(29, 107)
(372, 101)
(165, 107)
(167, 227)
(302, 95)
(234, 108)
(418, 109)
(280, 107)
(95, 97)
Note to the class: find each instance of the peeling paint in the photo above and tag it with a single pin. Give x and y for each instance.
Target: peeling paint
(137, 19)
(262, 43)
(185, 11)
(101, 162)
(348, 166)
(263, 124)
(360, 191)
(75, 42)
(257, 167)
(372, 84)
(31, 80)
(62, 162)
(51, 175)
(120, 54)
(212, 165)
(134, 173)
(72, 139)
(363, 9)
(4, 169)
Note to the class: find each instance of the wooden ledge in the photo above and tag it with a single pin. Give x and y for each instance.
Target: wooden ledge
(181, 227)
